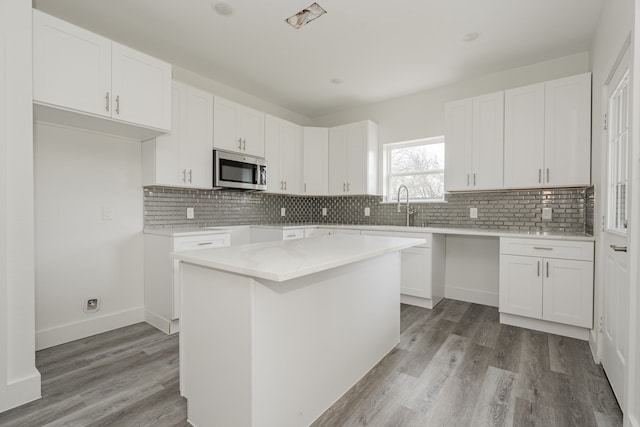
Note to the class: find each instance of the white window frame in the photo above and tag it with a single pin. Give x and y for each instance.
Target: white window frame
(387, 175)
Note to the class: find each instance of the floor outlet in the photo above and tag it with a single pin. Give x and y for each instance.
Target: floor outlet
(473, 213)
(283, 211)
(324, 211)
(547, 214)
(190, 213)
(367, 211)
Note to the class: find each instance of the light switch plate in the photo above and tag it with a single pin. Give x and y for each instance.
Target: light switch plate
(547, 214)
(367, 211)
(189, 213)
(473, 213)
(283, 211)
(107, 214)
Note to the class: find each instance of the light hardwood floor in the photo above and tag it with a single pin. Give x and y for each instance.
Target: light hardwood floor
(455, 366)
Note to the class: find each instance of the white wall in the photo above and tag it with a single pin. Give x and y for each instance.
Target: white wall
(78, 255)
(19, 378)
(615, 25)
(238, 96)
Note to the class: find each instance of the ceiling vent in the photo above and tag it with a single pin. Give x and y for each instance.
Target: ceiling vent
(305, 16)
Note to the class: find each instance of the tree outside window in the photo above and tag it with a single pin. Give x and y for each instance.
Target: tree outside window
(417, 164)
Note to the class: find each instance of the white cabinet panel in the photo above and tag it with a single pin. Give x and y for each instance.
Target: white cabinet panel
(568, 292)
(353, 153)
(237, 128)
(141, 88)
(283, 143)
(524, 137)
(416, 272)
(315, 161)
(71, 66)
(458, 144)
(567, 153)
(521, 285)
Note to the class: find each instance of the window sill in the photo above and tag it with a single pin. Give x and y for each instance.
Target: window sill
(413, 202)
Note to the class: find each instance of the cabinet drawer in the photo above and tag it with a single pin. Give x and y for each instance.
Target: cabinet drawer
(297, 233)
(547, 248)
(201, 242)
(418, 235)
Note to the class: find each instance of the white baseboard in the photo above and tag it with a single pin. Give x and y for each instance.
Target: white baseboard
(472, 295)
(96, 324)
(545, 326)
(24, 390)
(420, 302)
(165, 325)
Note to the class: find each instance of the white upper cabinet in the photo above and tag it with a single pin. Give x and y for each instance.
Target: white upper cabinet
(238, 128)
(184, 156)
(315, 161)
(524, 136)
(353, 153)
(567, 146)
(474, 143)
(548, 134)
(77, 70)
(283, 144)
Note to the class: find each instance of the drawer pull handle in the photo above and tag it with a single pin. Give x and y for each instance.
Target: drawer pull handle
(542, 248)
(291, 235)
(205, 243)
(538, 268)
(547, 268)
(618, 248)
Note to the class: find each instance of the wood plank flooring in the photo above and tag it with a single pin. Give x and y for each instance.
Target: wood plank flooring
(455, 366)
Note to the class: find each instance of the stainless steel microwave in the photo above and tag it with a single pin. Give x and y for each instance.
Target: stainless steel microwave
(232, 170)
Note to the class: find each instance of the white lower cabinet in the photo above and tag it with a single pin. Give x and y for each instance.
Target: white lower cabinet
(547, 280)
(422, 268)
(162, 274)
(270, 234)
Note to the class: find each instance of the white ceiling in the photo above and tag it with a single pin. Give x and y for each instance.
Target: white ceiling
(379, 49)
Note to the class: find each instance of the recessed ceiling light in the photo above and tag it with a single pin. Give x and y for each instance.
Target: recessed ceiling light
(469, 37)
(305, 16)
(336, 80)
(222, 7)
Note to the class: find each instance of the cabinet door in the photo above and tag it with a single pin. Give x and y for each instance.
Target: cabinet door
(488, 142)
(568, 292)
(290, 157)
(315, 161)
(251, 130)
(71, 66)
(196, 144)
(225, 132)
(272, 154)
(521, 285)
(567, 149)
(356, 150)
(416, 272)
(524, 136)
(337, 161)
(458, 145)
(141, 88)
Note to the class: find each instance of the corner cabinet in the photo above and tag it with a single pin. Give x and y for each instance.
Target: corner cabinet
(77, 70)
(184, 156)
(548, 134)
(547, 280)
(237, 128)
(474, 143)
(315, 161)
(283, 146)
(353, 153)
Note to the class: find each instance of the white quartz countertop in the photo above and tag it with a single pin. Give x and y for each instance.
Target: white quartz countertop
(185, 231)
(285, 260)
(443, 230)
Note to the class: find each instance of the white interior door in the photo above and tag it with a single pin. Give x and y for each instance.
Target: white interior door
(615, 342)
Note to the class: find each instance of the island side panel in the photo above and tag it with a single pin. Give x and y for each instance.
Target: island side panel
(316, 336)
(216, 347)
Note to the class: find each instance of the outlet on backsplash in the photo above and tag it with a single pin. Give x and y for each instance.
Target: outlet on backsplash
(283, 211)
(190, 214)
(473, 213)
(324, 211)
(367, 211)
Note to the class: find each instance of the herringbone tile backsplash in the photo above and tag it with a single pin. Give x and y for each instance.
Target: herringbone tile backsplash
(503, 210)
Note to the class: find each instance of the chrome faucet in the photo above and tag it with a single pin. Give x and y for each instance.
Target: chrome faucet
(407, 208)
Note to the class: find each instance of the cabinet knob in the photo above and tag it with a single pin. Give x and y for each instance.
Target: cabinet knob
(539, 176)
(184, 175)
(106, 103)
(547, 175)
(190, 176)
(244, 144)
(118, 104)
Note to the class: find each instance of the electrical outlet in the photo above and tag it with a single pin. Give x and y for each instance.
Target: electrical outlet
(547, 214)
(91, 305)
(367, 211)
(190, 213)
(107, 214)
(283, 211)
(473, 213)
(324, 211)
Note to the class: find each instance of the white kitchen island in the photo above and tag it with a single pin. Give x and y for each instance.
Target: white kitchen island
(274, 333)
